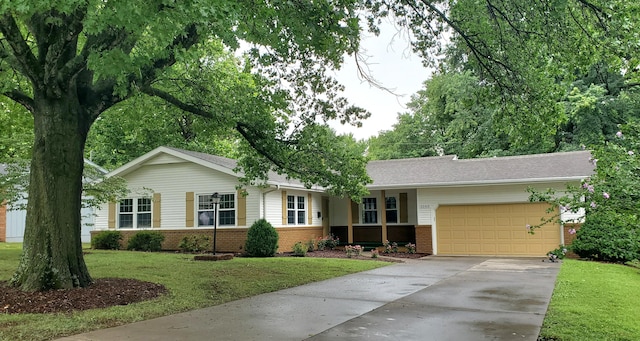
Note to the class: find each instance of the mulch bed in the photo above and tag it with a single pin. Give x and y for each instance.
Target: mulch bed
(105, 292)
(342, 254)
(108, 292)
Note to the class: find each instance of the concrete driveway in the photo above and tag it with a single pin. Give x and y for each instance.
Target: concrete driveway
(435, 298)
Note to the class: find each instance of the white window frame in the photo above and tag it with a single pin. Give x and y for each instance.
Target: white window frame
(366, 208)
(135, 212)
(296, 205)
(208, 209)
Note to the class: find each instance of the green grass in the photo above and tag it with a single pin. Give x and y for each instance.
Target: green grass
(192, 284)
(594, 301)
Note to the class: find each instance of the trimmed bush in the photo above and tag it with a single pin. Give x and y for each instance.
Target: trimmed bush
(195, 243)
(146, 241)
(106, 240)
(300, 249)
(262, 240)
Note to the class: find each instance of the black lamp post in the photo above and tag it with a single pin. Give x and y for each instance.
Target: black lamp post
(216, 200)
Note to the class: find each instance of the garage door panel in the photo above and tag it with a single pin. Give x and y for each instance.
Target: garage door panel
(494, 230)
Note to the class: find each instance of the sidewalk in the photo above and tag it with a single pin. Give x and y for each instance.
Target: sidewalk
(436, 298)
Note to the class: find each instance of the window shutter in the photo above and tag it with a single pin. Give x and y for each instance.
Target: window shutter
(404, 213)
(309, 210)
(242, 208)
(156, 210)
(189, 209)
(355, 212)
(111, 214)
(284, 207)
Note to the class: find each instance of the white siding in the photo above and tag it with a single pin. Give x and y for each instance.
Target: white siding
(173, 181)
(571, 217)
(15, 225)
(16, 222)
(164, 159)
(254, 205)
(338, 210)
(430, 198)
(273, 208)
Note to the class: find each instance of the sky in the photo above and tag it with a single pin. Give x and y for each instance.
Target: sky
(394, 66)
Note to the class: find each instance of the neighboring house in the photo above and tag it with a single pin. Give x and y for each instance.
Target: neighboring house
(444, 205)
(12, 221)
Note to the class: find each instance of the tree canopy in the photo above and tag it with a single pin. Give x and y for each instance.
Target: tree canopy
(69, 61)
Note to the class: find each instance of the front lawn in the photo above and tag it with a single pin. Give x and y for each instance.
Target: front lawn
(192, 284)
(594, 301)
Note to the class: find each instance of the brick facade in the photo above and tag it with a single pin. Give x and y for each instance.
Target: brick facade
(568, 237)
(289, 236)
(3, 222)
(424, 241)
(231, 240)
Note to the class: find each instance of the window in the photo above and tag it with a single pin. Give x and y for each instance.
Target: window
(226, 210)
(296, 212)
(370, 211)
(391, 209)
(134, 213)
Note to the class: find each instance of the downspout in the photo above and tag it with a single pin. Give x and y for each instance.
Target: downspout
(264, 200)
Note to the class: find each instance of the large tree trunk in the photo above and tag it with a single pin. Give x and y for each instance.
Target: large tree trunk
(52, 252)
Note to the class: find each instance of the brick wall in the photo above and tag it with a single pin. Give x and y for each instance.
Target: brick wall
(291, 235)
(569, 238)
(231, 240)
(424, 242)
(3, 222)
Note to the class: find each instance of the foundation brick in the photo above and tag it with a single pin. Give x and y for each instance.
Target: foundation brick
(424, 240)
(229, 240)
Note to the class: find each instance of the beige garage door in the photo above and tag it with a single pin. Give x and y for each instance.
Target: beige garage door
(494, 230)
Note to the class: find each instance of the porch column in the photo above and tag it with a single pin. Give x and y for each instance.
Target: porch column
(350, 222)
(383, 218)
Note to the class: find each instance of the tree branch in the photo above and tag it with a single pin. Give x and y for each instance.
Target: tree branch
(151, 91)
(186, 41)
(21, 98)
(480, 57)
(28, 64)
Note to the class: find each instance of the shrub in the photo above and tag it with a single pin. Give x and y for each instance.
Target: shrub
(353, 250)
(328, 242)
(300, 249)
(558, 253)
(375, 253)
(390, 247)
(262, 240)
(607, 238)
(411, 248)
(106, 240)
(146, 241)
(195, 243)
(311, 244)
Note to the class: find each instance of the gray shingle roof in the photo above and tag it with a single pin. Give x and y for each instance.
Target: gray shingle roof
(447, 170)
(218, 160)
(231, 165)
